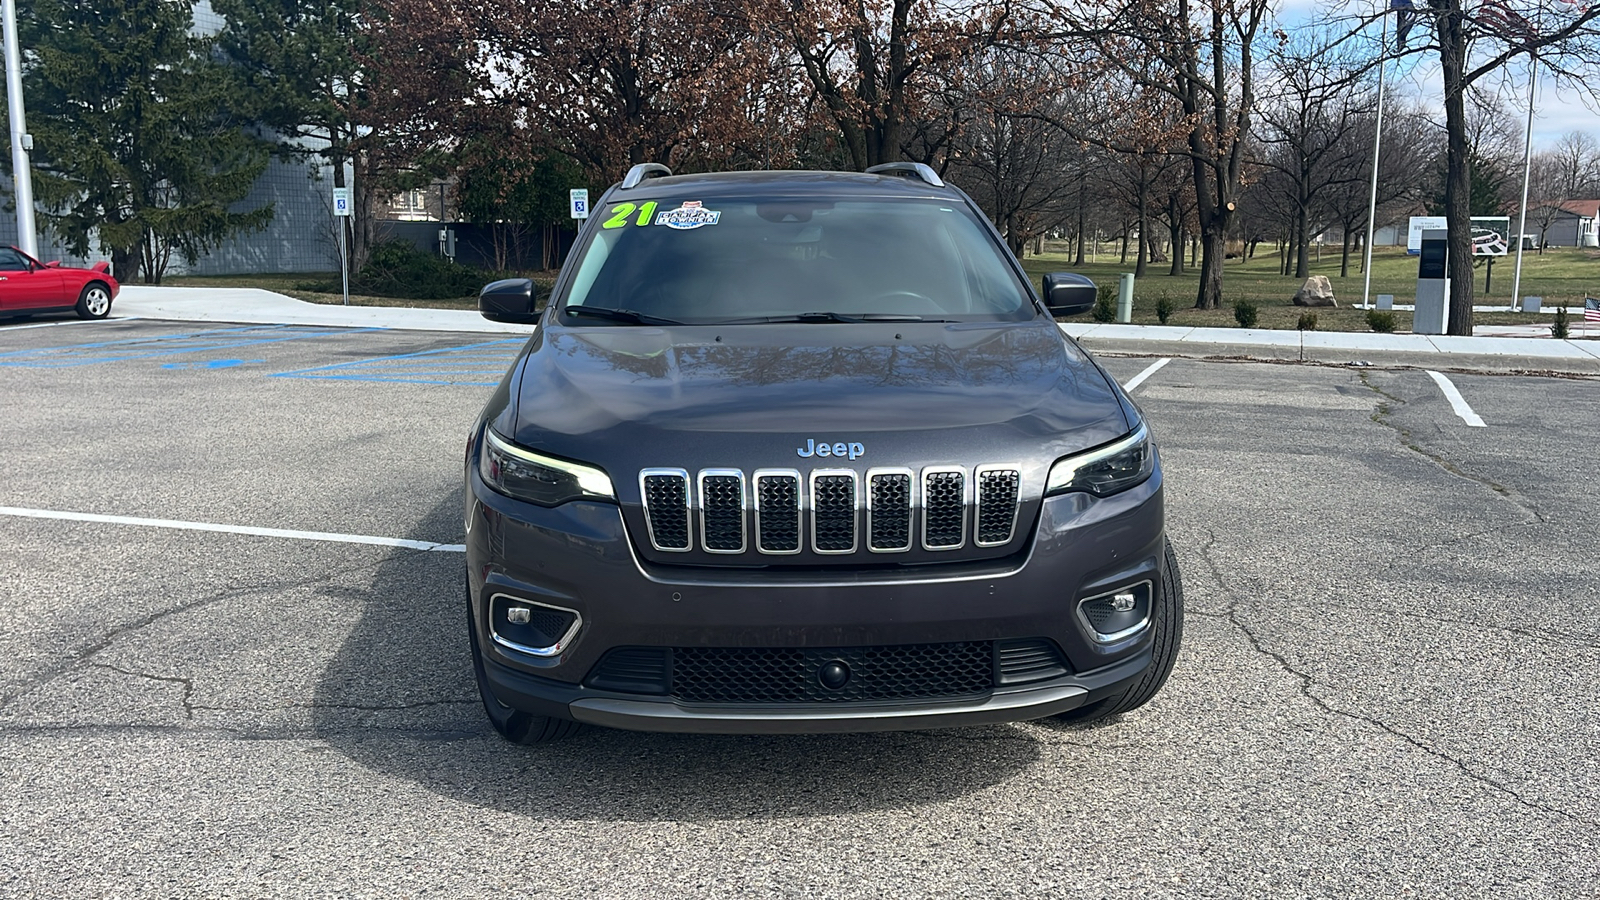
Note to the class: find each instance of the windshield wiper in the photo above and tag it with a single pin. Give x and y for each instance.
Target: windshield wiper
(618, 315)
(841, 317)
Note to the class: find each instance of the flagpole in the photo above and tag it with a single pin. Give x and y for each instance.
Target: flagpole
(1377, 144)
(1527, 168)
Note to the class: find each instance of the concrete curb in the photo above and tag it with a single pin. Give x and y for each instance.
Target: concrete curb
(253, 306)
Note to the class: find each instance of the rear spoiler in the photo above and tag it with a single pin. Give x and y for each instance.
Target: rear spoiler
(102, 266)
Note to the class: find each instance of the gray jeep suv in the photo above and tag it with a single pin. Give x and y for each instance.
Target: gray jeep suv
(804, 452)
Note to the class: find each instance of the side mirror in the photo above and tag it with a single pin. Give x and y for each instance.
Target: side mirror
(510, 300)
(1068, 293)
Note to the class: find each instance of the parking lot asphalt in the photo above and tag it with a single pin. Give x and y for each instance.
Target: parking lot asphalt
(1386, 688)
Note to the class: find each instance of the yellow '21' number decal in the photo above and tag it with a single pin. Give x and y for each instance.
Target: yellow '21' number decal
(620, 213)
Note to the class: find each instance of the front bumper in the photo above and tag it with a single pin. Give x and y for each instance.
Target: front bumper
(578, 557)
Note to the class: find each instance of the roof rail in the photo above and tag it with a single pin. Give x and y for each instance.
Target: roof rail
(909, 170)
(641, 172)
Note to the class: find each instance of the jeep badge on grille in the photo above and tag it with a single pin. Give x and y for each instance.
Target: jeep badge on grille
(812, 448)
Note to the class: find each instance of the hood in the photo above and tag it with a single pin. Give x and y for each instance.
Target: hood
(752, 396)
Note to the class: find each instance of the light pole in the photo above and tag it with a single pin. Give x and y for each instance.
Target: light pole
(1377, 146)
(21, 141)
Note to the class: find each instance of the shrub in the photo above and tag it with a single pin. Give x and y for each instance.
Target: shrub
(1244, 312)
(1380, 321)
(1558, 328)
(399, 269)
(1308, 322)
(1105, 304)
(1164, 308)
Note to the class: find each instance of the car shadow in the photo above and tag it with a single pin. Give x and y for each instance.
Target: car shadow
(399, 699)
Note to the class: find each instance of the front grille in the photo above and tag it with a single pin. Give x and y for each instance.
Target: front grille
(722, 510)
(759, 675)
(997, 505)
(666, 507)
(833, 511)
(937, 506)
(777, 512)
(944, 509)
(889, 511)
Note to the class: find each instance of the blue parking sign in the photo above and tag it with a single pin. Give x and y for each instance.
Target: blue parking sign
(580, 203)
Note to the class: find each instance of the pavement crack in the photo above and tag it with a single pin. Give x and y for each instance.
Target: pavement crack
(186, 683)
(1383, 415)
(75, 658)
(1307, 683)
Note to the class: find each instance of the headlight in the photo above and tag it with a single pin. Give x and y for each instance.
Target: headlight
(525, 475)
(1115, 467)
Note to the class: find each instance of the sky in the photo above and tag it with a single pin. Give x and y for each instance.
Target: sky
(1558, 106)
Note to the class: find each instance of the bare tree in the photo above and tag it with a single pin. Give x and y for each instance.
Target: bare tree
(1562, 37)
(1201, 55)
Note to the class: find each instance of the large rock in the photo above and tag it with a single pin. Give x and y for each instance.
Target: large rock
(1317, 291)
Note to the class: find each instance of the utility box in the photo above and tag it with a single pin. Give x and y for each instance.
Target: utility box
(1386, 301)
(1433, 283)
(447, 242)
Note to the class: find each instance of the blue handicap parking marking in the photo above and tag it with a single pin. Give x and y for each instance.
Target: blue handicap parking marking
(211, 364)
(208, 341)
(480, 365)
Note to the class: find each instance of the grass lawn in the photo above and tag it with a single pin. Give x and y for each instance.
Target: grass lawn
(1557, 275)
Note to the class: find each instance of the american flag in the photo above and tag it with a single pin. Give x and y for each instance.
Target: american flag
(1591, 309)
(1500, 19)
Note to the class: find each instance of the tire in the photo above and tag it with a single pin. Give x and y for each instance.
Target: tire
(1167, 635)
(94, 302)
(514, 725)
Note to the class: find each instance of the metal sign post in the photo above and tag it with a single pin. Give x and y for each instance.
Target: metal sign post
(341, 214)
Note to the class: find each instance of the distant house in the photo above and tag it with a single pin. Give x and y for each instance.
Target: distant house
(1564, 223)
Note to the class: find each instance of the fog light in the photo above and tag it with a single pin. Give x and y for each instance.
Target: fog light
(518, 615)
(1121, 602)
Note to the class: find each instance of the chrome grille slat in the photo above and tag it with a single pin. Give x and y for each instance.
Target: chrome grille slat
(665, 494)
(995, 497)
(778, 504)
(944, 508)
(889, 510)
(834, 501)
(722, 510)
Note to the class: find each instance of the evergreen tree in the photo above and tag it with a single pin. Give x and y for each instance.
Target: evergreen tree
(298, 64)
(135, 150)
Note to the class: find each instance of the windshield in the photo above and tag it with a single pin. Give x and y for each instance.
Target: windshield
(741, 259)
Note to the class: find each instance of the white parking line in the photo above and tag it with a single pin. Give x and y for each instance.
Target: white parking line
(1138, 379)
(69, 322)
(1457, 402)
(233, 529)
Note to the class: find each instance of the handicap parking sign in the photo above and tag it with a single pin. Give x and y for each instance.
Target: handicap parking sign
(580, 203)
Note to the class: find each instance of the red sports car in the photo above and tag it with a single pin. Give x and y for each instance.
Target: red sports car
(29, 286)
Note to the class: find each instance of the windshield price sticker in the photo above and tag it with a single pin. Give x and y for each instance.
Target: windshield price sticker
(688, 216)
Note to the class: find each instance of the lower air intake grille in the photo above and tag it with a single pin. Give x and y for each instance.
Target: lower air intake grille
(1030, 660)
(747, 675)
(633, 670)
(666, 505)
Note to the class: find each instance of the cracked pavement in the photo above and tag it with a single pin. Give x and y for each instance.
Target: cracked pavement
(1386, 687)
